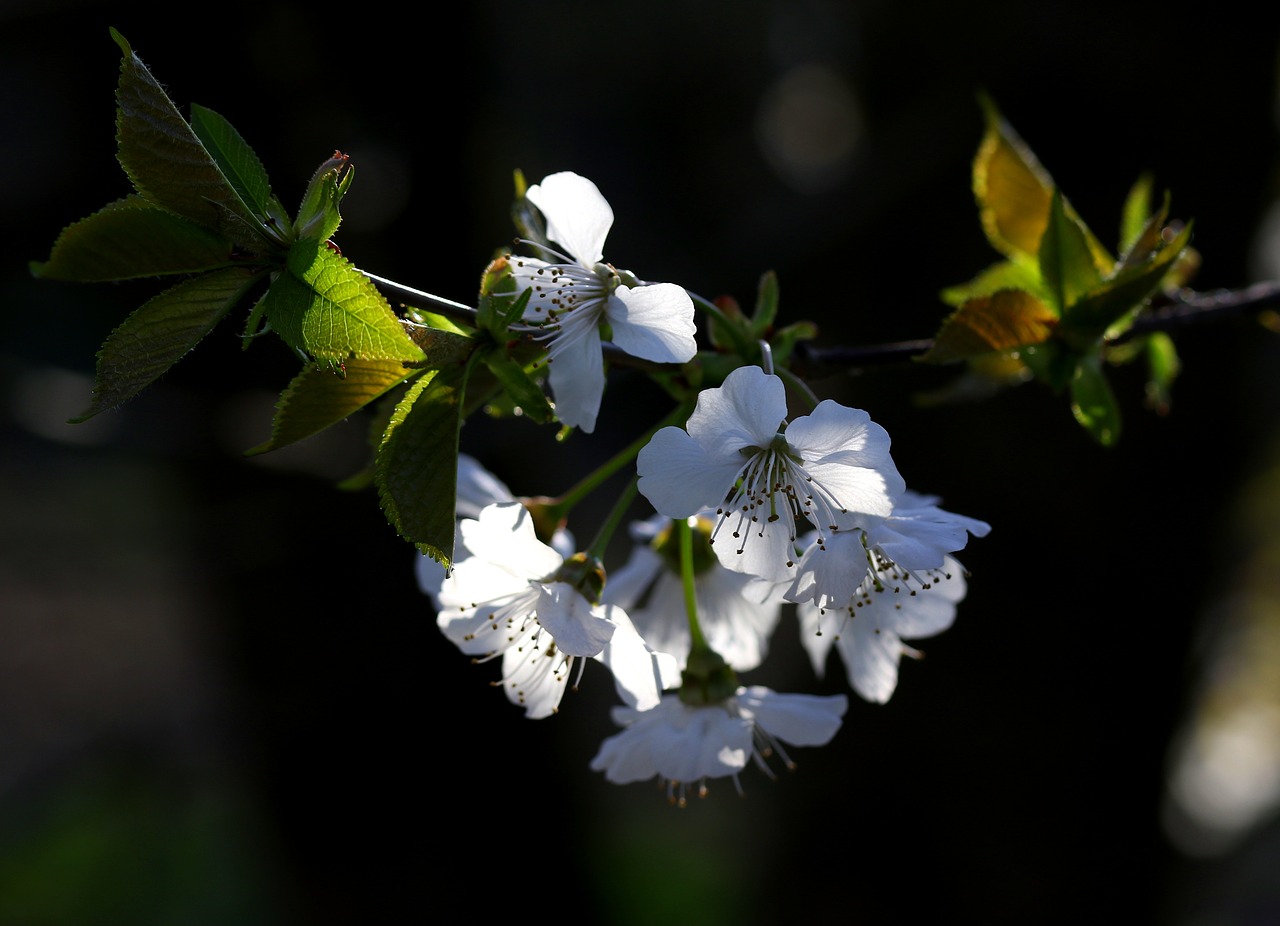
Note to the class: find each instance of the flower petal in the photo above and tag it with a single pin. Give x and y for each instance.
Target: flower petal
(578, 628)
(578, 216)
(801, 720)
(653, 322)
(746, 411)
(678, 476)
(577, 379)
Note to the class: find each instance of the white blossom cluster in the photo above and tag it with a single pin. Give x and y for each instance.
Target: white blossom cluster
(809, 512)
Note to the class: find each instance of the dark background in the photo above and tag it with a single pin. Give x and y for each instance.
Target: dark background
(223, 698)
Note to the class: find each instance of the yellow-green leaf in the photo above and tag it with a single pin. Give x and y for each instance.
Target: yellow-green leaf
(322, 396)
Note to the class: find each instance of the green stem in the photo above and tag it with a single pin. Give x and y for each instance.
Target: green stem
(799, 386)
(698, 641)
(619, 511)
(565, 503)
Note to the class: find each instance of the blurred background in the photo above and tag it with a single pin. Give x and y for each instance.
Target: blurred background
(223, 698)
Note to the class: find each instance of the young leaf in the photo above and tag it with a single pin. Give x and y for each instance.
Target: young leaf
(1066, 262)
(1007, 274)
(416, 468)
(1012, 189)
(160, 332)
(318, 215)
(1093, 403)
(1014, 194)
(526, 394)
(319, 397)
(766, 306)
(1004, 320)
(166, 162)
(1164, 366)
(1091, 317)
(240, 165)
(132, 238)
(329, 310)
(1135, 215)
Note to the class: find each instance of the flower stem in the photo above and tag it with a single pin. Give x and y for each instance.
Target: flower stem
(565, 502)
(698, 641)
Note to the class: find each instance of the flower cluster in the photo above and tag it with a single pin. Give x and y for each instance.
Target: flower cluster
(756, 513)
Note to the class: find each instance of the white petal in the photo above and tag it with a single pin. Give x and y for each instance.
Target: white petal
(757, 548)
(746, 411)
(477, 487)
(504, 536)
(817, 634)
(577, 627)
(577, 380)
(848, 454)
(578, 216)
(870, 657)
(640, 674)
(678, 477)
(534, 679)
(802, 720)
(654, 322)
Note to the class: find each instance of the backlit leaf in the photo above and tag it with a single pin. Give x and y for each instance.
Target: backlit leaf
(132, 238)
(1004, 320)
(161, 331)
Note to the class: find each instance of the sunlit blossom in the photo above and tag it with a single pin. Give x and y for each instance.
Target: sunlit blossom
(685, 745)
(510, 595)
(574, 294)
(764, 475)
(890, 605)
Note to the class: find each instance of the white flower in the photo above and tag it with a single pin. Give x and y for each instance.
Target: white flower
(734, 613)
(685, 744)
(477, 488)
(868, 630)
(570, 300)
(740, 456)
(509, 596)
(914, 539)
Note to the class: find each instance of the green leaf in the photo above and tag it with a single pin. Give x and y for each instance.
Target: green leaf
(1094, 404)
(1101, 311)
(526, 395)
(766, 311)
(168, 164)
(416, 467)
(132, 238)
(319, 397)
(1163, 366)
(1136, 213)
(239, 164)
(1004, 320)
(160, 332)
(441, 347)
(1065, 258)
(330, 311)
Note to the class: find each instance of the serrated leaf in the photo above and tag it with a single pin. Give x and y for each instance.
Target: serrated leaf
(168, 164)
(1093, 404)
(160, 332)
(239, 163)
(1147, 238)
(132, 238)
(1007, 274)
(1003, 320)
(1065, 259)
(416, 467)
(329, 310)
(320, 397)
